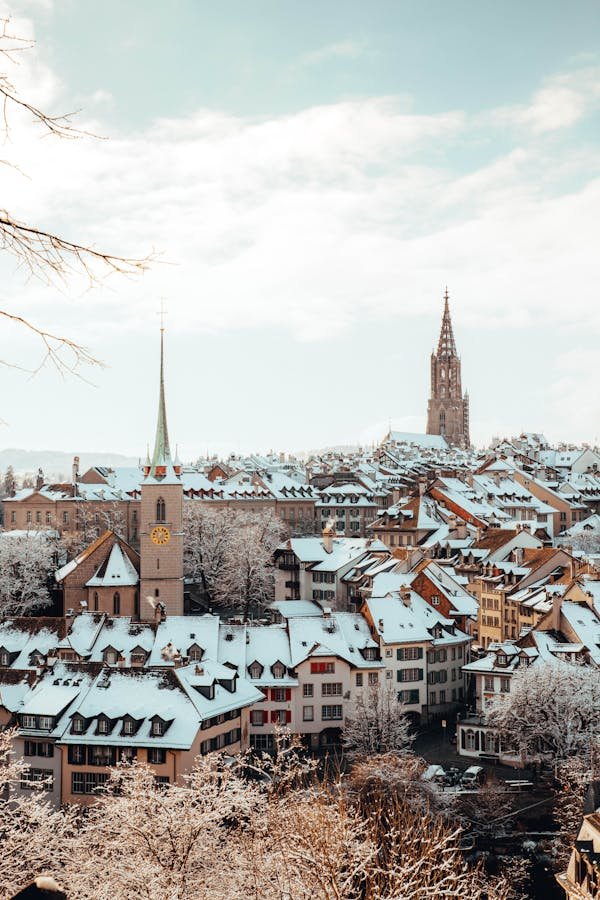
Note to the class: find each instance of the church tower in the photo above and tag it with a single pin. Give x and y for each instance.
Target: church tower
(448, 409)
(161, 525)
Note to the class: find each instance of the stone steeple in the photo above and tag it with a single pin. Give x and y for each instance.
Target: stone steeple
(161, 466)
(448, 409)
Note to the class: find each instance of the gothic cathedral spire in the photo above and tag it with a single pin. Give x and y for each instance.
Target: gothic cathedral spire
(448, 409)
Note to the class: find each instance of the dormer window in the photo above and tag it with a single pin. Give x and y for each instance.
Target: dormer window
(161, 513)
(255, 670)
(129, 726)
(501, 659)
(4, 657)
(77, 725)
(111, 656)
(103, 725)
(370, 653)
(278, 670)
(138, 656)
(158, 727)
(195, 653)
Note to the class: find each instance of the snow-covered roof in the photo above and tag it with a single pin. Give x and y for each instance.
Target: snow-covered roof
(116, 571)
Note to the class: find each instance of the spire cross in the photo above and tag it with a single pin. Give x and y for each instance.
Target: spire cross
(446, 295)
(162, 313)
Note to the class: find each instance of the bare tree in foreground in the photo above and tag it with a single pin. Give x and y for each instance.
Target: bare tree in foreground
(42, 253)
(220, 836)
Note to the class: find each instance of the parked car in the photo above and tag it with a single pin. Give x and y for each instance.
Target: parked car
(473, 777)
(434, 773)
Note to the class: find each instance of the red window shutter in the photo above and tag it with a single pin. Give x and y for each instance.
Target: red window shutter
(314, 668)
(273, 715)
(272, 694)
(288, 693)
(265, 716)
(288, 716)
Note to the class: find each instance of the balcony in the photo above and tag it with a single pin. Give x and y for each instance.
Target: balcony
(288, 567)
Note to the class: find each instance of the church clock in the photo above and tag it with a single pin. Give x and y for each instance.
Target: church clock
(160, 535)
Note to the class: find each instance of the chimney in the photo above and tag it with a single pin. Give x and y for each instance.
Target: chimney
(39, 481)
(405, 596)
(160, 613)
(556, 608)
(328, 533)
(75, 474)
(422, 486)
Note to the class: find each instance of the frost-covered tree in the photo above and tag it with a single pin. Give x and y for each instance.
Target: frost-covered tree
(552, 708)
(8, 482)
(377, 723)
(26, 561)
(229, 553)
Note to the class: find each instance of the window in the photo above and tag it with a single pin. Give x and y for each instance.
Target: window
(408, 696)
(76, 754)
(160, 510)
(388, 652)
(505, 685)
(95, 601)
(87, 782)
(77, 725)
(308, 713)
(307, 690)
(432, 698)
(29, 515)
(359, 679)
(435, 600)
(134, 517)
(102, 756)
(4, 658)
(46, 723)
(128, 726)
(331, 712)
(262, 741)
(489, 682)
(195, 653)
(111, 656)
(158, 727)
(157, 756)
(407, 653)
(279, 695)
(102, 727)
(257, 717)
(389, 674)
(116, 603)
(322, 668)
(65, 518)
(13, 517)
(442, 696)
(37, 778)
(278, 670)
(280, 716)
(255, 670)
(373, 678)
(331, 689)
(370, 653)
(38, 516)
(409, 675)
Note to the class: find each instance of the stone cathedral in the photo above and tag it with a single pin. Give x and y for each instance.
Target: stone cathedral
(448, 408)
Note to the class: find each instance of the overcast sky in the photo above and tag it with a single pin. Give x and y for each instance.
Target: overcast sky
(313, 175)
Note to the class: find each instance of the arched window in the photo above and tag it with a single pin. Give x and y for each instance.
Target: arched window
(136, 605)
(442, 373)
(116, 603)
(160, 510)
(442, 421)
(95, 601)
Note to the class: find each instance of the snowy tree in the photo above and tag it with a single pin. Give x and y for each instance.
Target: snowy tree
(377, 723)
(8, 482)
(248, 573)
(208, 533)
(552, 709)
(229, 553)
(26, 561)
(33, 835)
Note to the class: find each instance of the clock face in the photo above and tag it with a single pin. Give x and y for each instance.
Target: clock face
(160, 535)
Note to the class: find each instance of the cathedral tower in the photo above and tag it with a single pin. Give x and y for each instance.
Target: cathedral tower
(161, 526)
(448, 409)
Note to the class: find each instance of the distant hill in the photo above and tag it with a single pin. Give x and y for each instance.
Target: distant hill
(57, 463)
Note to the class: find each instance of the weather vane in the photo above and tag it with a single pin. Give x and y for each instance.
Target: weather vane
(162, 313)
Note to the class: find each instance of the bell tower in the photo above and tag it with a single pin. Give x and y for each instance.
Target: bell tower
(448, 408)
(161, 525)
